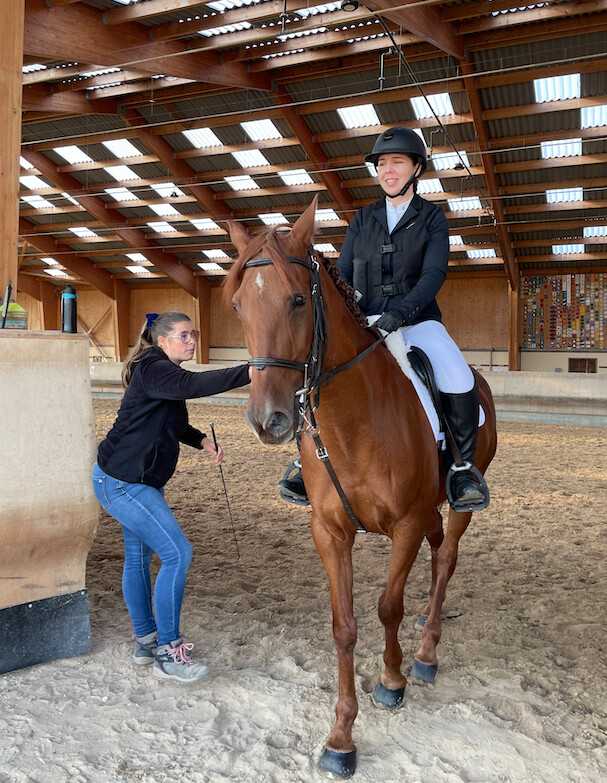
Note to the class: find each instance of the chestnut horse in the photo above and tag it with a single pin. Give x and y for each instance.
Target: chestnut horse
(309, 348)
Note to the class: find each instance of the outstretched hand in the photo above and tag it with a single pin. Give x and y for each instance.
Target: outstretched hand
(208, 445)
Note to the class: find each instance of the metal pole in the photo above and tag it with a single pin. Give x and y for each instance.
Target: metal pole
(212, 426)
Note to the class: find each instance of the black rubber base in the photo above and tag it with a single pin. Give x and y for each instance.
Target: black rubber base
(291, 497)
(337, 765)
(388, 698)
(44, 630)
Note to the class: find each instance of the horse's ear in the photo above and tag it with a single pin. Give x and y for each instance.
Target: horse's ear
(303, 230)
(239, 235)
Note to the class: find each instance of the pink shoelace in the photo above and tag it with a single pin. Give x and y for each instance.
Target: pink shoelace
(180, 654)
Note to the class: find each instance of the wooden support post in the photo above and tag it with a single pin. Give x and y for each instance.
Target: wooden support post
(203, 317)
(515, 329)
(121, 306)
(12, 15)
(49, 304)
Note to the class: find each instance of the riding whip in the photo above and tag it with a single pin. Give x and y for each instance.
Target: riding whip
(225, 492)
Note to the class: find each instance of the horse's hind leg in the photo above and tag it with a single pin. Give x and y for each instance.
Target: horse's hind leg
(425, 661)
(390, 690)
(435, 538)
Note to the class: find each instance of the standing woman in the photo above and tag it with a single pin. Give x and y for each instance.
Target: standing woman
(134, 462)
(395, 255)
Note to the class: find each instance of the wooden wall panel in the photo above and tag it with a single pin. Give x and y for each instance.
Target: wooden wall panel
(157, 299)
(34, 316)
(476, 311)
(226, 329)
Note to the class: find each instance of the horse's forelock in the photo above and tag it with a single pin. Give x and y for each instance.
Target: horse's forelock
(266, 243)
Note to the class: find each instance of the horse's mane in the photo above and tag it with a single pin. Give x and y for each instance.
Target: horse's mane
(268, 239)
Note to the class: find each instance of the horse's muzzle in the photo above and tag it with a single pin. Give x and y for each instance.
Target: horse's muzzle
(272, 427)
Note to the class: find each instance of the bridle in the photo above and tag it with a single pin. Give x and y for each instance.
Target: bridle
(312, 368)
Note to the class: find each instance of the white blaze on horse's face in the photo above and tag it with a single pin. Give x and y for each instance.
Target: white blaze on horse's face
(259, 282)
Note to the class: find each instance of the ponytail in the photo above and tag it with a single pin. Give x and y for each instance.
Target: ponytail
(155, 326)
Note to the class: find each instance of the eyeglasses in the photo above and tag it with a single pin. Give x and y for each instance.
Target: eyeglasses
(187, 337)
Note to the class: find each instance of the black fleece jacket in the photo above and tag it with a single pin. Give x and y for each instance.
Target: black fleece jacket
(143, 445)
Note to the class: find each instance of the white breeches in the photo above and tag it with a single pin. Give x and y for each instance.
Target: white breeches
(452, 373)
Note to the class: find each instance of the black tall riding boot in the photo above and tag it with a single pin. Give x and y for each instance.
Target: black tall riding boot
(466, 488)
(292, 487)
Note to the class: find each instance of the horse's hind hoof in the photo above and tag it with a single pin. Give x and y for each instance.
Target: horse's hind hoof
(426, 672)
(421, 621)
(388, 698)
(336, 764)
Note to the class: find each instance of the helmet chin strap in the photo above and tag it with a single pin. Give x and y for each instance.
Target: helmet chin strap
(413, 178)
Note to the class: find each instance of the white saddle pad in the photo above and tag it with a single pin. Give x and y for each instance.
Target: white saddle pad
(399, 349)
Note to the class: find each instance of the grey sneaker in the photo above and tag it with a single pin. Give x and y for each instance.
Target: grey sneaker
(143, 652)
(172, 662)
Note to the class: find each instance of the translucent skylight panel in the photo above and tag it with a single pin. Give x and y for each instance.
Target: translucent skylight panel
(317, 9)
(137, 257)
(70, 199)
(164, 209)
(325, 247)
(557, 88)
(430, 186)
(122, 148)
(161, 226)
(101, 72)
(25, 164)
(558, 195)
(202, 137)
(464, 204)
(242, 182)
(136, 269)
(37, 202)
(455, 239)
(225, 5)
(300, 33)
(449, 160)
(295, 177)
(121, 173)
(227, 28)
(121, 194)
(215, 252)
(33, 67)
(565, 148)
(441, 103)
(82, 231)
(482, 252)
(56, 272)
(204, 224)
(359, 116)
(72, 154)
(326, 214)
(32, 182)
(251, 158)
(273, 218)
(210, 266)
(167, 189)
(260, 130)
(559, 250)
(595, 231)
(594, 116)
(49, 260)
(371, 168)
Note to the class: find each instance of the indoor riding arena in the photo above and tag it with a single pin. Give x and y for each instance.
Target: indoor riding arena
(136, 136)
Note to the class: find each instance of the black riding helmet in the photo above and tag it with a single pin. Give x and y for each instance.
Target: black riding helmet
(403, 140)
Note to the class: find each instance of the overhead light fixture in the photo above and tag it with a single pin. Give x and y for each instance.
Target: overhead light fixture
(349, 5)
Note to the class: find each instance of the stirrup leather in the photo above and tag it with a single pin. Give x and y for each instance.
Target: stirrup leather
(475, 505)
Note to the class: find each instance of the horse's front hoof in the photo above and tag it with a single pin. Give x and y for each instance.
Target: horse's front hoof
(388, 698)
(426, 672)
(421, 621)
(336, 764)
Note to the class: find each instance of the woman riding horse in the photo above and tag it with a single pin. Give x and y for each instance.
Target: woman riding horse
(395, 255)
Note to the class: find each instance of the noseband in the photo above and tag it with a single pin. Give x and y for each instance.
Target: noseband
(314, 377)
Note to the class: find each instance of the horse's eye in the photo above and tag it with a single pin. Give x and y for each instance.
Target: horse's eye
(299, 300)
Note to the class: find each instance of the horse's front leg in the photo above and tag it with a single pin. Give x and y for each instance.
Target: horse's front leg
(390, 690)
(338, 759)
(425, 661)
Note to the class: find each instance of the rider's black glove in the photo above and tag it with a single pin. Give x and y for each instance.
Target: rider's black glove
(390, 321)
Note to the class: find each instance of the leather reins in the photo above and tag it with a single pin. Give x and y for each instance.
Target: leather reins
(312, 368)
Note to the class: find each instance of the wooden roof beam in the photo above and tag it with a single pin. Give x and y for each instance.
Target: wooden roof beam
(40, 98)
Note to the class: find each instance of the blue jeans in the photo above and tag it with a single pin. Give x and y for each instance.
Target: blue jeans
(148, 526)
